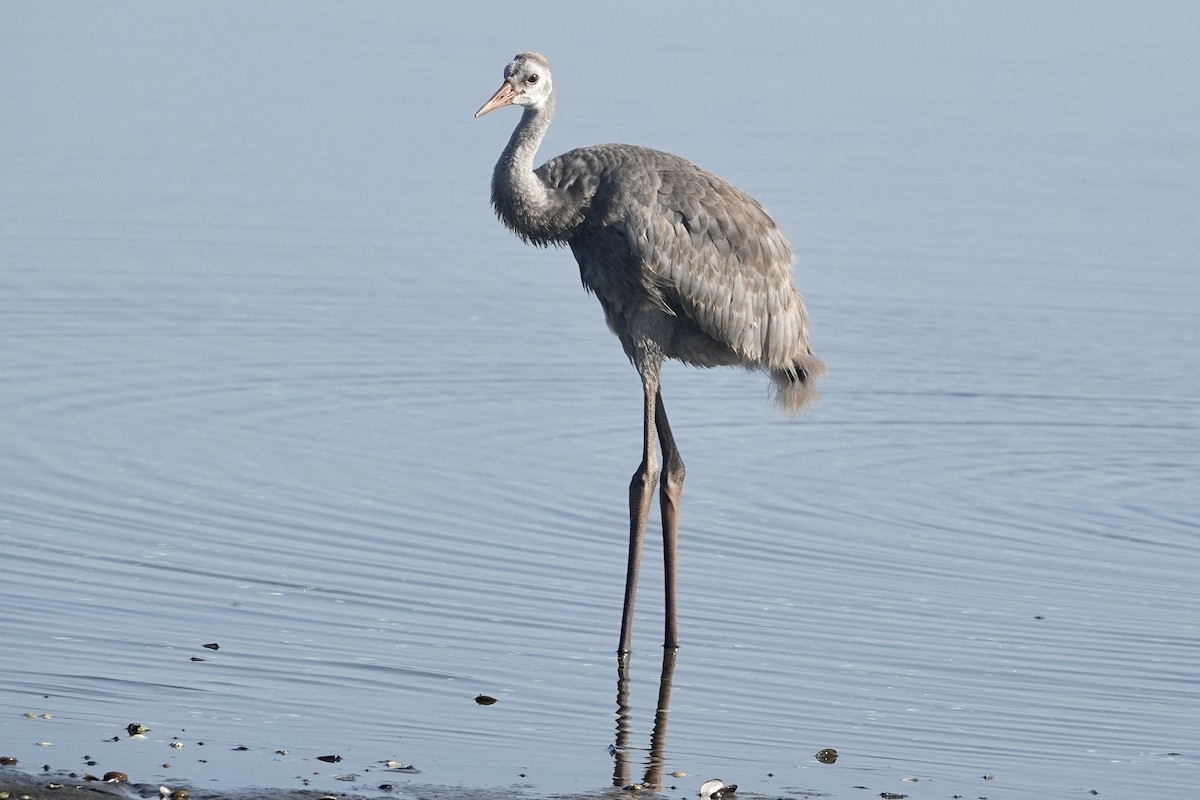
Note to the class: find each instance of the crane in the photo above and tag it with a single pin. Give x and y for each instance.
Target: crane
(685, 266)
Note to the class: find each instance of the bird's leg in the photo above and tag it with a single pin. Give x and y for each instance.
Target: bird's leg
(641, 494)
(670, 495)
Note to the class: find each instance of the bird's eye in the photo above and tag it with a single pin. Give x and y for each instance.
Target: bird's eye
(532, 79)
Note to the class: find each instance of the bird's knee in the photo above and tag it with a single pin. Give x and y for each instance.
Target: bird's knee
(672, 478)
(674, 472)
(644, 480)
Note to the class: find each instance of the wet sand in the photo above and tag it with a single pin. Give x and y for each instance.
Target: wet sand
(55, 786)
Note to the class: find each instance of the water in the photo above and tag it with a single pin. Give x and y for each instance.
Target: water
(275, 378)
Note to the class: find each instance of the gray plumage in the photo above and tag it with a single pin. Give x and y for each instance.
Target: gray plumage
(684, 264)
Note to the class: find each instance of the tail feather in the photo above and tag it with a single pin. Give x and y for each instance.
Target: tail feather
(795, 386)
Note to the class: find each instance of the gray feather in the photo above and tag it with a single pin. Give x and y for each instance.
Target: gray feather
(678, 258)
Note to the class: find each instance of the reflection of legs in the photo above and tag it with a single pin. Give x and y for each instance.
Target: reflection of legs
(624, 725)
(670, 493)
(658, 739)
(641, 494)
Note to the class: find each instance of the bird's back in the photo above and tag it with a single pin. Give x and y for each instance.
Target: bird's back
(661, 239)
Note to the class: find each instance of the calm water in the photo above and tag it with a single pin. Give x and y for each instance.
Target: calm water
(274, 377)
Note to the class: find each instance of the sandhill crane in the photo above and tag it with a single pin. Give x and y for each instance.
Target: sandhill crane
(685, 266)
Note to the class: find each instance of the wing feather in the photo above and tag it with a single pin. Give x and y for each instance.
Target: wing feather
(696, 245)
(717, 254)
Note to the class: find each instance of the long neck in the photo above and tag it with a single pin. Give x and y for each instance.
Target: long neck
(523, 201)
(515, 166)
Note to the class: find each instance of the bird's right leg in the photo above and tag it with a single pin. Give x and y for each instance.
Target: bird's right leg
(670, 495)
(641, 495)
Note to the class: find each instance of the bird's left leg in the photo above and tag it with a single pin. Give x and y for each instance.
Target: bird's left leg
(670, 495)
(641, 495)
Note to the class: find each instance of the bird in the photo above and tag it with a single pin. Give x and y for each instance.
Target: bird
(685, 266)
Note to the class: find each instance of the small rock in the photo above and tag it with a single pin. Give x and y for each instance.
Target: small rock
(826, 756)
(716, 788)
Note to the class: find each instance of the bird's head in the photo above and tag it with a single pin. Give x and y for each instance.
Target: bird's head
(526, 83)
